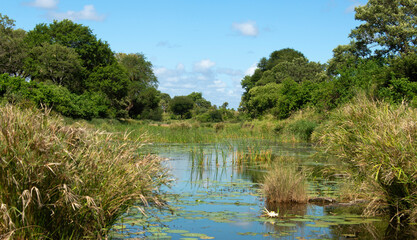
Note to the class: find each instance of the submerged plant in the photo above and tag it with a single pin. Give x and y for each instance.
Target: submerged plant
(61, 182)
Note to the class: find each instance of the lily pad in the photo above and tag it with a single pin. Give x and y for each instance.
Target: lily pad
(194, 235)
(176, 231)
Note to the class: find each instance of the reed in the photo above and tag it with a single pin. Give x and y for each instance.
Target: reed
(68, 182)
(379, 141)
(283, 183)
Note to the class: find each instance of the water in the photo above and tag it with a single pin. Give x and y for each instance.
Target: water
(214, 197)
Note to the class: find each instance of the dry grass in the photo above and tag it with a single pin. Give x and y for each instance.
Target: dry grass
(63, 182)
(379, 141)
(284, 184)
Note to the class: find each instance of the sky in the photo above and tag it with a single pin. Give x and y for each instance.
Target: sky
(201, 45)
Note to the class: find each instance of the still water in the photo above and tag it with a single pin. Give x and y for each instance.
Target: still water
(216, 197)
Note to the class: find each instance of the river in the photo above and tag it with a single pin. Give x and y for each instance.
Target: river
(215, 197)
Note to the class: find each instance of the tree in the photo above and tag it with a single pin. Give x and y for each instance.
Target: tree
(199, 101)
(6, 24)
(165, 99)
(93, 52)
(142, 94)
(182, 105)
(13, 50)
(263, 98)
(283, 55)
(113, 81)
(56, 63)
(138, 69)
(146, 105)
(391, 24)
(299, 69)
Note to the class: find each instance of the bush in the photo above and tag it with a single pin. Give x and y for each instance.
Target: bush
(58, 98)
(62, 182)
(302, 128)
(379, 141)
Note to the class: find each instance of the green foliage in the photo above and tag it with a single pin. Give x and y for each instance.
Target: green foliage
(58, 98)
(182, 105)
(67, 54)
(68, 182)
(391, 24)
(145, 105)
(13, 50)
(378, 140)
(299, 69)
(302, 128)
(263, 72)
(398, 90)
(263, 98)
(276, 57)
(111, 80)
(213, 115)
(92, 51)
(404, 66)
(138, 69)
(283, 88)
(56, 63)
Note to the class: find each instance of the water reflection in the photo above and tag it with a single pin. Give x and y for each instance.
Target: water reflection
(216, 195)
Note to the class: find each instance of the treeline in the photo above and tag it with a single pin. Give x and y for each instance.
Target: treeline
(196, 107)
(64, 66)
(380, 62)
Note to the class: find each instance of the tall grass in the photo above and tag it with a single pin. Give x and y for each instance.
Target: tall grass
(67, 182)
(194, 132)
(379, 141)
(283, 183)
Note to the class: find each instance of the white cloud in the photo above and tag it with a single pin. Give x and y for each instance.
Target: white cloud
(248, 28)
(180, 67)
(160, 71)
(217, 84)
(229, 72)
(87, 13)
(48, 4)
(204, 66)
(220, 83)
(167, 44)
(351, 8)
(251, 70)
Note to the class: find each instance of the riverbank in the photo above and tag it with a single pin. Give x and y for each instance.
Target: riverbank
(373, 142)
(62, 181)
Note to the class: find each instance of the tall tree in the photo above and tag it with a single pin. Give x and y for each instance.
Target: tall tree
(56, 63)
(142, 94)
(13, 50)
(182, 105)
(138, 68)
(389, 25)
(93, 52)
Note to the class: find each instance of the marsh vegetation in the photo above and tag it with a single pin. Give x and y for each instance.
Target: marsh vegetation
(329, 148)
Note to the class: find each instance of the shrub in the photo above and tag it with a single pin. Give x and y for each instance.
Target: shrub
(379, 141)
(62, 182)
(302, 128)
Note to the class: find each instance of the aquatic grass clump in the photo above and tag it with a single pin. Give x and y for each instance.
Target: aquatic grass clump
(283, 183)
(379, 141)
(68, 182)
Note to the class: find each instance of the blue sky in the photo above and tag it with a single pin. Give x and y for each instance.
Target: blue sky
(200, 45)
